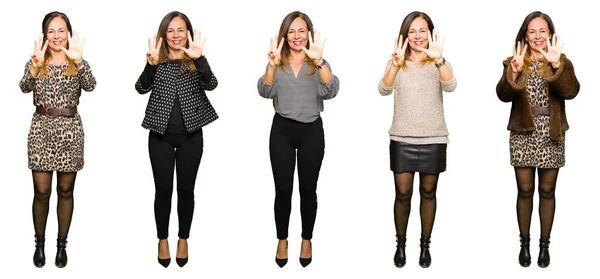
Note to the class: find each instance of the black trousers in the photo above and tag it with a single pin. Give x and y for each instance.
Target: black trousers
(306, 141)
(184, 151)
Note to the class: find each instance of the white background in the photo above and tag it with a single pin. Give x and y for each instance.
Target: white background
(233, 234)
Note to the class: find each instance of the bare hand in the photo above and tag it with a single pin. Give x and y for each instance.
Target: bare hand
(75, 50)
(39, 52)
(436, 46)
(194, 49)
(153, 51)
(399, 51)
(275, 52)
(518, 58)
(554, 51)
(315, 50)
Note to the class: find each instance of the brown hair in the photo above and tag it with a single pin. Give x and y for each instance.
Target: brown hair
(283, 30)
(522, 36)
(71, 70)
(163, 55)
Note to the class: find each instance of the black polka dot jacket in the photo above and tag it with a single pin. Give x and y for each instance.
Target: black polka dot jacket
(170, 78)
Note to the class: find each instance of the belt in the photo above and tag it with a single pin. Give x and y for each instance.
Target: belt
(540, 110)
(52, 111)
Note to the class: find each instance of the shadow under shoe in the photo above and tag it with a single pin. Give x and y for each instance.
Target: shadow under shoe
(39, 256)
(425, 256)
(306, 261)
(400, 256)
(544, 257)
(282, 262)
(524, 254)
(61, 252)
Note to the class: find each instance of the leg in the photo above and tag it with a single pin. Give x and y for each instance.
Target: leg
(525, 185)
(427, 190)
(42, 186)
(310, 157)
(546, 189)
(283, 162)
(188, 156)
(64, 210)
(404, 189)
(162, 159)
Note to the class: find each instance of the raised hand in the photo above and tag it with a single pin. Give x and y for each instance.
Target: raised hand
(75, 47)
(399, 51)
(39, 52)
(275, 52)
(194, 49)
(518, 58)
(315, 52)
(153, 51)
(554, 51)
(436, 45)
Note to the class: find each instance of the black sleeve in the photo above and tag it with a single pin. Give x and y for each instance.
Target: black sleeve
(203, 69)
(147, 77)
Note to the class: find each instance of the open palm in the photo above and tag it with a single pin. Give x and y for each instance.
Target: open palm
(315, 50)
(75, 50)
(195, 45)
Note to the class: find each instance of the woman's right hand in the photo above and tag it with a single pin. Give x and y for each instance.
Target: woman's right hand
(39, 53)
(399, 51)
(275, 52)
(153, 51)
(518, 57)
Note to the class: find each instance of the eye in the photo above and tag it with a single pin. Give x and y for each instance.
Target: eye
(411, 31)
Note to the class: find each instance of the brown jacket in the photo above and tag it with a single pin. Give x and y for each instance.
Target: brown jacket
(562, 85)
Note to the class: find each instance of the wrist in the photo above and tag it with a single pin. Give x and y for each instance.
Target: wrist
(555, 65)
(320, 63)
(439, 62)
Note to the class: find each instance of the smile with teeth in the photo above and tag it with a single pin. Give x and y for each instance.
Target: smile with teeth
(57, 42)
(538, 43)
(297, 43)
(418, 43)
(176, 42)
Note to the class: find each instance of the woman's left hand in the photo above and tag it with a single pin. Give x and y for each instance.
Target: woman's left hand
(315, 50)
(75, 50)
(554, 51)
(194, 49)
(436, 46)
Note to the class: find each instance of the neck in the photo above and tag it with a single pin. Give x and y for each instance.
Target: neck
(176, 54)
(58, 56)
(297, 55)
(417, 56)
(536, 55)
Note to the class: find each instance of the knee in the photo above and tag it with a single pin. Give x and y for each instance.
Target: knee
(65, 191)
(403, 195)
(42, 195)
(525, 192)
(546, 192)
(427, 192)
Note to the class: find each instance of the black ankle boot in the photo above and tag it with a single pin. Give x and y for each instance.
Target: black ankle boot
(39, 257)
(544, 257)
(524, 255)
(425, 257)
(400, 256)
(61, 252)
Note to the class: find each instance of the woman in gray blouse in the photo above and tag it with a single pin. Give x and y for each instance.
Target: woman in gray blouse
(418, 74)
(297, 79)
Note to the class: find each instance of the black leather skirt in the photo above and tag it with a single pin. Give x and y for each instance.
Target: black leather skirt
(422, 158)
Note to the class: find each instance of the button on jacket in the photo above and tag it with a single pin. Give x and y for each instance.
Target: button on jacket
(171, 79)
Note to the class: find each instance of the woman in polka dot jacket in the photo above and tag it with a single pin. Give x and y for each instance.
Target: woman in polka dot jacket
(177, 74)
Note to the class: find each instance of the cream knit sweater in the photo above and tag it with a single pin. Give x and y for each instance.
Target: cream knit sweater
(418, 102)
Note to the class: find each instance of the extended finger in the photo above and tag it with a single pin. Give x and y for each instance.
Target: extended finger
(429, 37)
(404, 45)
(190, 38)
(45, 46)
(280, 44)
(159, 45)
(524, 51)
(310, 38)
(562, 45)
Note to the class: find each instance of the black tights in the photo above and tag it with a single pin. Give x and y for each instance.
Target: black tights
(404, 189)
(526, 188)
(42, 186)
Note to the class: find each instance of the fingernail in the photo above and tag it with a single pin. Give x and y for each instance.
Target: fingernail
(33, 56)
(270, 52)
(149, 54)
(395, 54)
(515, 60)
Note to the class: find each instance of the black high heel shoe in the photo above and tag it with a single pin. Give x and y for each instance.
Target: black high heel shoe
(39, 257)
(61, 252)
(306, 261)
(525, 255)
(544, 257)
(400, 256)
(282, 262)
(164, 262)
(181, 261)
(425, 256)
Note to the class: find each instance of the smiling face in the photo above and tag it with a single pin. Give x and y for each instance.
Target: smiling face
(177, 34)
(538, 34)
(297, 34)
(57, 34)
(418, 34)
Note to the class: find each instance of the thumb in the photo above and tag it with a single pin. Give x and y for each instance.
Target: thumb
(305, 49)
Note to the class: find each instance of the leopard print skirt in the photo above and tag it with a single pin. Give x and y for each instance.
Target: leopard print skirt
(55, 143)
(536, 149)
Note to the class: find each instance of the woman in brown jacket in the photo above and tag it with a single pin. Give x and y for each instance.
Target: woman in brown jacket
(537, 79)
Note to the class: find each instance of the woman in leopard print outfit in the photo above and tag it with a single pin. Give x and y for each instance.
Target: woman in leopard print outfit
(55, 74)
(537, 79)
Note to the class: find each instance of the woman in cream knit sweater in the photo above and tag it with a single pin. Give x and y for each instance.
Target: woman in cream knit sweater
(418, 74)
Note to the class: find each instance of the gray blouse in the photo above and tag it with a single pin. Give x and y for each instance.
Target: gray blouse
(299, 98)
